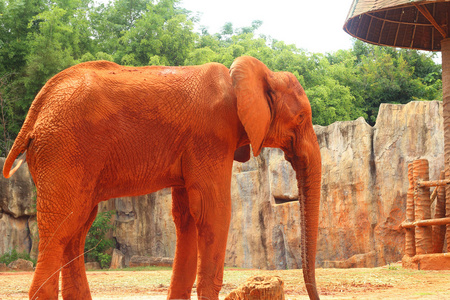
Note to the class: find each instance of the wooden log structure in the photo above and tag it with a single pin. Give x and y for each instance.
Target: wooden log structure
(433, 183)
(445, 48)
(422, 223)
(422, 210)
(438, 230)
(424, 237)
(410, 243)
(447, 209)
(435, 192)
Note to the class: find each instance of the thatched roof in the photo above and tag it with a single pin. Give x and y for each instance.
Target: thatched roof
(415, 24)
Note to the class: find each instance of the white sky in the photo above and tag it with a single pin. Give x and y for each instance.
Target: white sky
(313, 25)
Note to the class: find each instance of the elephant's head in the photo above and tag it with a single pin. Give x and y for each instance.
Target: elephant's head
(276, 112)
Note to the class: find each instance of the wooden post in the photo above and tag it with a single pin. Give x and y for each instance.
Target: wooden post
(422, 207)
(447, 209)
(410, 243)
(439, 230)
(445, 49)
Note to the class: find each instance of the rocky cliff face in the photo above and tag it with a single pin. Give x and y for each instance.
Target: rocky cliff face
(143, 225)
(363, 198)
(18, 226)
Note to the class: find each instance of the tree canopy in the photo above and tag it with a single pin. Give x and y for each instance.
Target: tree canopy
(39, 38)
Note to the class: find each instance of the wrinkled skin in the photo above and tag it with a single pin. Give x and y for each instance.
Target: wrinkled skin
(99, 130)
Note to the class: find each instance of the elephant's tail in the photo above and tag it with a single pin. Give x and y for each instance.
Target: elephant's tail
(7, 171)
(26, 134)
(20, 145)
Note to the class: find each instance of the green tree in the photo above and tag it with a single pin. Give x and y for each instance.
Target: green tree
(327, 88)
(49, 53)
(8, 120)
(134, 33)
(39, 38)
(15, 16)
(227, 31)
(331, 102)
(177, 39)
(388, 75)
(111, 21)
(200, 56)
(97, 242)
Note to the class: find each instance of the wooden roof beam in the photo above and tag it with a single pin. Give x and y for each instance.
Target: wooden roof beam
(426, 13)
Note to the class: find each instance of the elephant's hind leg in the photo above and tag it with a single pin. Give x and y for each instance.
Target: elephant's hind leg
(74, 280)
(46, 275)
(57, 225)
(185, 263)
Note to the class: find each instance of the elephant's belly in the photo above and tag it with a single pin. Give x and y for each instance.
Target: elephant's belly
(148, 178)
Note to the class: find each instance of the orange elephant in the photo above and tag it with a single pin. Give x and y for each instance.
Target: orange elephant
(99, 130)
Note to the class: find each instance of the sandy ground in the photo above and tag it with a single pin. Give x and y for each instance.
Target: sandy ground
(389, 282)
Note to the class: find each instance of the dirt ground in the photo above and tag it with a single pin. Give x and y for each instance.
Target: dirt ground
(389, 282)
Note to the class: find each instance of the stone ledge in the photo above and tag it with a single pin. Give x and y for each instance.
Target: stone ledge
(435, 261)
(21, 265)
(364, 260)
(92, 265)
(145, 261)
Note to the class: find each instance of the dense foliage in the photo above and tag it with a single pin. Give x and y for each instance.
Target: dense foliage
(13, 255)
(97, 243)
(39, 38)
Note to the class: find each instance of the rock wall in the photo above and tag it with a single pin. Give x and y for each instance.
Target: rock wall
(365, 181)
(143, 225)
(18, 226)
(364, 188)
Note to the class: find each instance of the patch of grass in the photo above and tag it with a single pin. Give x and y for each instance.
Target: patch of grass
(393, 268)
(425, 294)
(146, 268)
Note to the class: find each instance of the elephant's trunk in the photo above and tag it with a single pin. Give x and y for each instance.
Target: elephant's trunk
(308, 167)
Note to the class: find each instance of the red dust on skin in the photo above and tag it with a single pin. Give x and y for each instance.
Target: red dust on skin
(99, 130)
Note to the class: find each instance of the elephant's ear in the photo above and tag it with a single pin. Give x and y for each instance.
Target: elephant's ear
(250, 83)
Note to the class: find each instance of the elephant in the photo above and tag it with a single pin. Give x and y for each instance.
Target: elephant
(99, 130)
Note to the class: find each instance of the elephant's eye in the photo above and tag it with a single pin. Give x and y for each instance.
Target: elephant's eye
(300, 118)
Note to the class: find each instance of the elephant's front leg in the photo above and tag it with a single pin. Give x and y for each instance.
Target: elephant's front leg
(211, 208)
(185, 262)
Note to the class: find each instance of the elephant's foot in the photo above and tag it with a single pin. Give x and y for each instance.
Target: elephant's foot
(179, 293)
(209, 290)
(181, 287)
(74, 292)
(75, 285)
(44, 289)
